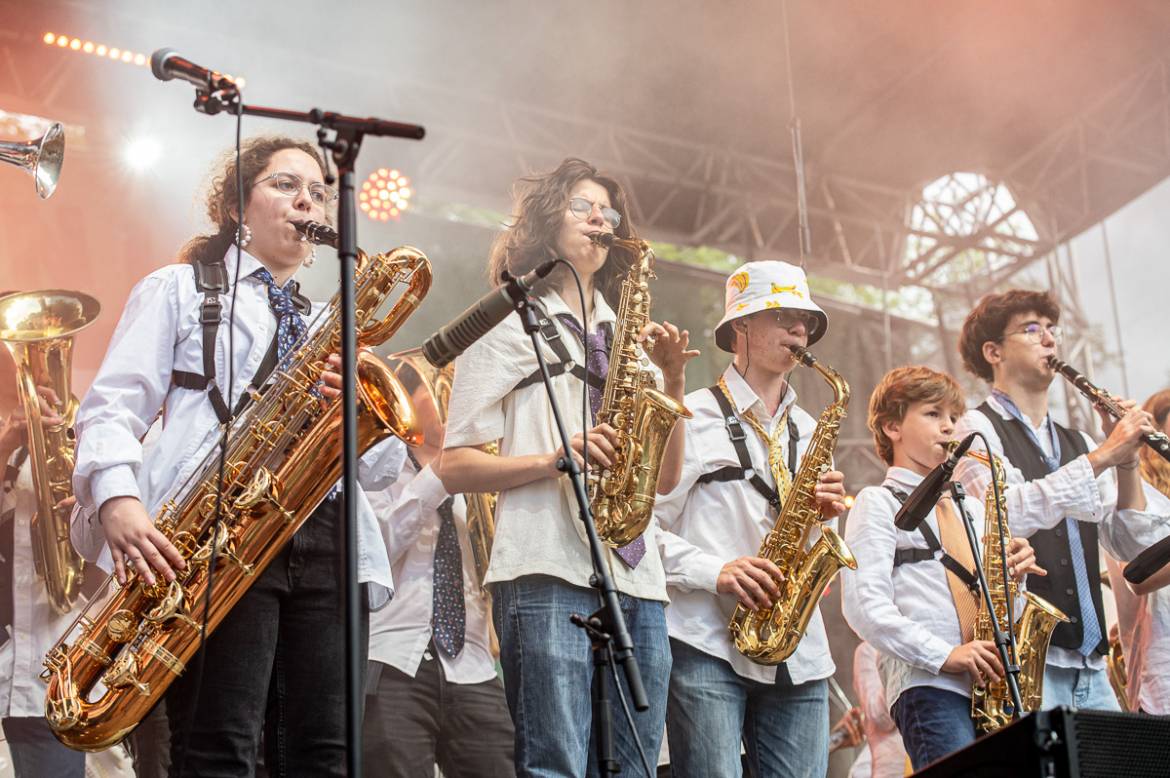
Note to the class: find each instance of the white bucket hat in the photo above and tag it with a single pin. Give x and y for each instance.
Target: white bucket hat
(757, 286)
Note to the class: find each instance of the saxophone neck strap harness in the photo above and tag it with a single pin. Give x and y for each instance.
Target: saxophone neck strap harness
(212, 280)
(564, 362)
(746, 470)
(933, 551)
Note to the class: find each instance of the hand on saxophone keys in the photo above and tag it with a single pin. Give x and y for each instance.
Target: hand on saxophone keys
(979, 659)
(755, 581)
(602, 441)
(1022, 560)
(666, 346)
(136, 544)
(830, 494)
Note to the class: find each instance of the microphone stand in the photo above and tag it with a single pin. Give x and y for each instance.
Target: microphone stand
(349, 132)
(606, 627)
(1005, 641)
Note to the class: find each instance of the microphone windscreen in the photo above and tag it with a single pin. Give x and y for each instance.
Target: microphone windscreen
(158, 61)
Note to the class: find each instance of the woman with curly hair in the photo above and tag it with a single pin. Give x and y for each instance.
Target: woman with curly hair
(540, 565)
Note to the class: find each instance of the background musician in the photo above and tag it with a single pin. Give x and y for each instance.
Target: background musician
(913, 604)
(1065, 493)
(711, 531)
(432, 694)
(540, 565)
(28, 623)
(289, 680)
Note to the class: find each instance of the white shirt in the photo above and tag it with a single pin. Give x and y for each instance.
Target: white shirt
(883, 754)
(537, 526)
(703, 527)
(401, 632)
(1070, 491)
(905, 612)
(36, 626)
(159, 332)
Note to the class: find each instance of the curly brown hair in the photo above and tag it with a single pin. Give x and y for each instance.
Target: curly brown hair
(898, 390)
(255, 154)
(989, 318)
(531, 238)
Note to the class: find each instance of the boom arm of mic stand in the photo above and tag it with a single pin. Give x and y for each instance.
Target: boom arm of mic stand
(1003, 642)
(623, 650)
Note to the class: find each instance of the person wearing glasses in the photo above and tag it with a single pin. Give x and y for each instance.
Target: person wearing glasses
(743, 449)
(540, 564)
(276, 662)
(1064, 493)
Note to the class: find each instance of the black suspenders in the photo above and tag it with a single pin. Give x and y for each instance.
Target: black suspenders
(746, 471)
(211, 279)
(933, 550)
(564, 363)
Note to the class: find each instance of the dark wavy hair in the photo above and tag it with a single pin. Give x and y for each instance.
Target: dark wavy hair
(222, 198)
(540, 211)
(989, 318)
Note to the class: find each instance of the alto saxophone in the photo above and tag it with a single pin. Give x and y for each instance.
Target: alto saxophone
(991, 705)
(283, 457)
(481, 524)
(38, 328)
(622, 495)
(768, 636)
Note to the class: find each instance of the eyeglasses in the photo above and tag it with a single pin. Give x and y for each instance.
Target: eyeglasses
(789, 317)
(290, 185)
(583, 208)
(1034, 332)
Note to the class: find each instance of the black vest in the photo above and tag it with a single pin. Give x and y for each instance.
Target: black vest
(1059, 587)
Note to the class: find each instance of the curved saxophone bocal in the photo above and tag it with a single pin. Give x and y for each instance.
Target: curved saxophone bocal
(622, 496)
(283, 457)
(992, 706)
(768, 636)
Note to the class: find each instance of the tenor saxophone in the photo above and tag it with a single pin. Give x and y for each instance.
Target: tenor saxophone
(768, 636)
(991, 705)
(283, 457)
(38, 328)
(622, 495)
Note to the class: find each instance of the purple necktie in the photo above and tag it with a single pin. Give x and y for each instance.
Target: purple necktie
(597, 363)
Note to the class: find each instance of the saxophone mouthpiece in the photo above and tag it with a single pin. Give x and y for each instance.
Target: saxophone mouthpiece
(803, 355)
(603, 238)
(315, 232)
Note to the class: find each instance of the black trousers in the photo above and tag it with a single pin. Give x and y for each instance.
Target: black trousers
(275, 665)
(412, 724)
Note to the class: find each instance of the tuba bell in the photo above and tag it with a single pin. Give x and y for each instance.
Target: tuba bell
(41, 157)
(38, 329)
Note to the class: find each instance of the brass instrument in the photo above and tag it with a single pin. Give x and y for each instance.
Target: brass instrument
(622, 495)
(1158, 441)
(481, 524)
(283, 457)
(768, 636)
(41, 157)
(991, 706)
(38, 328)
(1118, 677)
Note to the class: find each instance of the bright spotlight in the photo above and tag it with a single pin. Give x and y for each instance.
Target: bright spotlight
(140, 154)
(385, 194)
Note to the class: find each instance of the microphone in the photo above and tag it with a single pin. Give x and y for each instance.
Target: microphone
(920, 502)
(1148, 562)
(453, 338)
(167, 64)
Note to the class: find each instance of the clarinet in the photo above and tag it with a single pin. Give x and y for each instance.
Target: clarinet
(1106, 402)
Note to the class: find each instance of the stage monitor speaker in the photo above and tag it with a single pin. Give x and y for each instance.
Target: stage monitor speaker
(1066, 743)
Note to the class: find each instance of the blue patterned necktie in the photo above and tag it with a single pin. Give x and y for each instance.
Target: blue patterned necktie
(1092, 629)
(290, 327)
(597, 363)
(449, 615)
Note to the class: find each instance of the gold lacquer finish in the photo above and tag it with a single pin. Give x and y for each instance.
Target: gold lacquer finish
(1118, 676)
(622, 496)
(38, 328)
(481, 524)
(768, 636)
(991, 705)
(284, 455)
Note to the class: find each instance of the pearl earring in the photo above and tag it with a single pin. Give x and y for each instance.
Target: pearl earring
(309, 260)
(244, 235)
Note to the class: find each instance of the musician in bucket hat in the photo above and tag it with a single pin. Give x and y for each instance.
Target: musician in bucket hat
(743, 449)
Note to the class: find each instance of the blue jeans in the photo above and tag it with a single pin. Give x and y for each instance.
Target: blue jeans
(36, 753)
(275, 664)
(548, 674)
(933, 722)
(1078, 688)
(784, 727)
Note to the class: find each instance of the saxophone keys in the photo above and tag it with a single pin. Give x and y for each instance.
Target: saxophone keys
(124, 674)
(121, 626)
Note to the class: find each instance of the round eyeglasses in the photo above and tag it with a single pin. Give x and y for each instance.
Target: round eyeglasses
(290, 185)
(1034, 332)
(582, 208)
